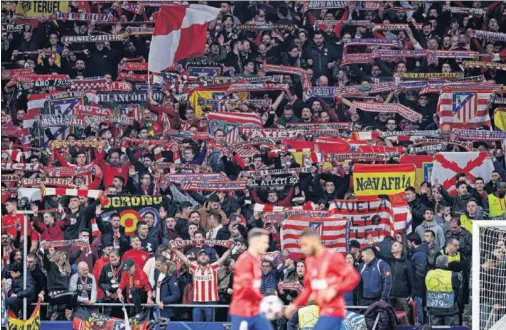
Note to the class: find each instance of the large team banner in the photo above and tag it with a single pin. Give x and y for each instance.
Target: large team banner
(381, 179)
(346, 220)
(132, 209)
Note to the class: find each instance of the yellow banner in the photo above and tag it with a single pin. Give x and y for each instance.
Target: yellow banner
(41, 8)
(207, 95)
(391, 179)
(33, 323)
(500, 118)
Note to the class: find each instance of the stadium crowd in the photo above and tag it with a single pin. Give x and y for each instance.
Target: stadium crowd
(183, 249)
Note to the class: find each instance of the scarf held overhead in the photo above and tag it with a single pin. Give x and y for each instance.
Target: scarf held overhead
(400, 109)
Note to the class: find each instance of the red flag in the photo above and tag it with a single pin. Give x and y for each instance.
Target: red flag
(180, 32)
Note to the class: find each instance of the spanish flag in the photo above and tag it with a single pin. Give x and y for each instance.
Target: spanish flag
(423, 165)
(382, 179)
(33, 323)
(204, 93)
(500, 118)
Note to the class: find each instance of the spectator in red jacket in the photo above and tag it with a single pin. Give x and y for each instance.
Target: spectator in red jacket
(135, 284)
(137, 254)
(50, 230)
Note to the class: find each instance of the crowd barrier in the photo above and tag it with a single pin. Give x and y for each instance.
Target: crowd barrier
(66, 325)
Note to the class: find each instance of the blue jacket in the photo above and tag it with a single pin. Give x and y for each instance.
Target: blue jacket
(270, 281)
(419, 258)
(17, 288)
(169, 293)
(376, 280)
(348, 298)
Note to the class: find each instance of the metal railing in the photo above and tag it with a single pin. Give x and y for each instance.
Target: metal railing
(213, 306)
(179, 305)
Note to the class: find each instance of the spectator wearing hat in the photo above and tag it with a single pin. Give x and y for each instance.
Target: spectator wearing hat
(289, 271)
(134, 286)
(205, 289)
(211, 251)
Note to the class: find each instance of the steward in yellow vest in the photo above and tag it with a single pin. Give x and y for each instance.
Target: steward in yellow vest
(308, 316)
(443, 288)
(456, 261)
(497, 200)
(473, 212)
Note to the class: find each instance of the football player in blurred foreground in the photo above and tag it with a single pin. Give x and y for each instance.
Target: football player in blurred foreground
(246, 297)
(327, 278)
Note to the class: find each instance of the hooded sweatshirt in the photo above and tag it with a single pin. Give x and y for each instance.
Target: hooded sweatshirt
(440, 235)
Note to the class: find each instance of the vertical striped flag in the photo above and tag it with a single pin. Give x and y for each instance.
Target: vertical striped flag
(464, 109)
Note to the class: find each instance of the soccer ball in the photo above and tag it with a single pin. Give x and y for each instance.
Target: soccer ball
(271, 307)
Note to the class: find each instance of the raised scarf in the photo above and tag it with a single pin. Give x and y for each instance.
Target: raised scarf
(487, 35)
(304, 78)
(59, 144)
(215, 185)
(57, 182)
(66, 171)
(400, 109)
(485, 65)
(88, 193)
(64, 244)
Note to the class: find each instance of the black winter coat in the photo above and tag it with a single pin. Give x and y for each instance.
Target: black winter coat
(387, 318)
(402, 277)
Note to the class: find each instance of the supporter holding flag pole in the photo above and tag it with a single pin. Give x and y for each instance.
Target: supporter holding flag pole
(180, 32)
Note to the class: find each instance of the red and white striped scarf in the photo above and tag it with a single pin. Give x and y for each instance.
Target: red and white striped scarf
(88, 193)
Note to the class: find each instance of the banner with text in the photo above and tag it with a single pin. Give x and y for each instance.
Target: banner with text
(378, 179)
(133, 209)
